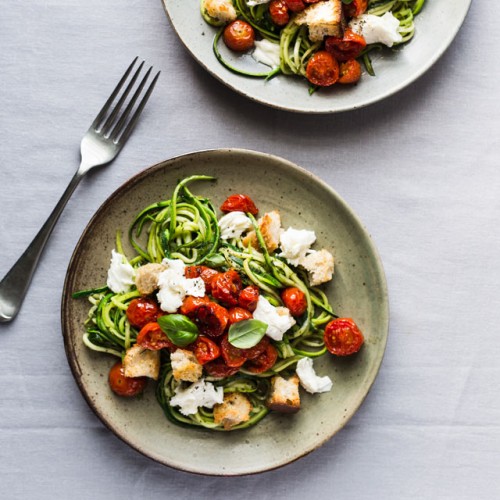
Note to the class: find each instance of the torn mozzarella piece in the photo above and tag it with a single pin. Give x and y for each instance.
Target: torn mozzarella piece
(295, 243)
(197, 395)
(233, 225)
(278, 319)
(377, 29)
(309, 380)
(267, 53)
(120, 273)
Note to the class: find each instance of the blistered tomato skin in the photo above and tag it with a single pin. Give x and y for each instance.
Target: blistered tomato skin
(322, 69)
(345, 48)
(226, 288)
(152, 337)
(264, 361)
(205, 350)
(239, 36)
(295, 5)
(355, 8)
(191, 305)
(350, 72)
(295, 300)
(219, 369)
(249, 297)
(343, 337)
(207, 274)
(233, 356)
(125, 386)
(237, 314)
(278, 10)
(142, 311)
(211, 319)
(239, 203)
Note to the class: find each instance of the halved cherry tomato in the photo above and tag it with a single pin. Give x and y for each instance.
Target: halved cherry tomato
(295, 300)
(211, 319)
(343, 337)
(249, 297)
(125, 386)
(295, 5)
(205, 349)
(322, 69)
(203, 272)
(255, 351)
(233, 356)
(350, 72)
(239, 36)
(239, 203)
(192, 304)
(237, 314)
(142, 311)
(152, 337)
(219, 369)
(265, 361)
(226, 287)
(347, 47)
(355, 8)
(278, 10)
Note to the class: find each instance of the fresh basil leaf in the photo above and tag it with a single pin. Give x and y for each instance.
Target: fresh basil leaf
(246, 333)
(179, 329)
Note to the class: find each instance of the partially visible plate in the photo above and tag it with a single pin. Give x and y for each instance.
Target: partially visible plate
(358, 290)
(436, 27)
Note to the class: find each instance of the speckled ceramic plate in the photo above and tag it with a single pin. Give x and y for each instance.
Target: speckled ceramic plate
(436, 27)
(358, 290)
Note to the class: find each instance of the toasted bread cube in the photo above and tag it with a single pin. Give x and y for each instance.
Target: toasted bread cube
(185, 366)
(270, 228)
(220, 11)
(284, 396)
(146, 278)
(140, 362)
(319, 266)
(323, 19)
(234, 410)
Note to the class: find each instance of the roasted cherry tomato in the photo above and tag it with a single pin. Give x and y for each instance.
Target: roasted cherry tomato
(249, 297)
(343, 337)
(205, 349)
(322, 69)
(237, 314)
(239, 36)
(265, 361)
(255, 351)
(125, 386)
(295, 300)
(233, 356)
(152, 337)
(347, 47)
(355, 8)
(278, 10)
(211, 319)
(295, 5)
(350, 71)
(191, 305)
(219, 369)
(203, 272)
(226, 288)
(239, 203)
(142, 311)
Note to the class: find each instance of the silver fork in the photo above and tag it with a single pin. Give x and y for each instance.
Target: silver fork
(100, 145)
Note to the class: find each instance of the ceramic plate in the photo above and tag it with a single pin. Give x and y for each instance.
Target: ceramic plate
(436, 28)
(358, 290)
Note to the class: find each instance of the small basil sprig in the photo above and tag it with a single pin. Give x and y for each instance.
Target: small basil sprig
(179, 329)
(246, 333)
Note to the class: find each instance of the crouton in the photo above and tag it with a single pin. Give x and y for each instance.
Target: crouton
(270, 228)
(140, 362)
(323, 19)
(234, 410)
(185, 366)
(218, 12)
(284, 395)
(146, 278)
(319, 266)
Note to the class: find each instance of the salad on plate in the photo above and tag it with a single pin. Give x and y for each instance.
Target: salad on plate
(223, 309)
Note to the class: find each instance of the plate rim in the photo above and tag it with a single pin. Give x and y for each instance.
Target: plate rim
(445, 44)
(70, 277)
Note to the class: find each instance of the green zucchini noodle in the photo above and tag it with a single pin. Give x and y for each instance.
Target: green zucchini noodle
(295, 47)
(186, 227)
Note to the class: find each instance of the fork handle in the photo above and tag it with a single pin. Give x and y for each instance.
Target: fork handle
(15, 283)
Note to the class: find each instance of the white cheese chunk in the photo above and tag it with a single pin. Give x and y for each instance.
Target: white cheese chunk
(267, 52)
(174, 286)
(309, 380)
(278, 319)
(197, 395)
(120, 273)
(295, 243)
(377, 29)
(233, 225)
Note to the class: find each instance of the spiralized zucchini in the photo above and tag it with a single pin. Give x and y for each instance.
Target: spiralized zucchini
(186, 227)
(296, 48)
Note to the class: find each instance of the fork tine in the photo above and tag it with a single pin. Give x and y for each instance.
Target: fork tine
(111, 118)
(133, 120)
(111, 98)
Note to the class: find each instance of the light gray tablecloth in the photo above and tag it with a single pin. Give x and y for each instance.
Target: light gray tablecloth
(420, 169)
